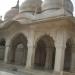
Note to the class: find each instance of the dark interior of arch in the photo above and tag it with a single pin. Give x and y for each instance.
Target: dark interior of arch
(40, 55)
(44, 44)
(18, 50)
(68, 56)
(2, 49)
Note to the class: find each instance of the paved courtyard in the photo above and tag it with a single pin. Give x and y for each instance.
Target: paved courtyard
(8, 69)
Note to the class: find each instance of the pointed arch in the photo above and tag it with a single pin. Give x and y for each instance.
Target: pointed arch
(2, 48)
(18, 50)
(68, 55)
(45, 53)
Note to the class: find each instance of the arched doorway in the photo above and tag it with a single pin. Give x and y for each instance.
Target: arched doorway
(45, 53)
(2, 49)
(18, 50)
(41, 50)
(68, 56)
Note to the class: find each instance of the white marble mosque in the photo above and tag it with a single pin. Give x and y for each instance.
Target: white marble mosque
(39, 36)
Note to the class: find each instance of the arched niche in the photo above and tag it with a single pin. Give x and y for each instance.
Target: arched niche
(44, 53)
(68, 55)
(18, 50)
(2, 48)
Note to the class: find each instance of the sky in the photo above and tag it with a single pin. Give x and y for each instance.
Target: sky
(6, 5)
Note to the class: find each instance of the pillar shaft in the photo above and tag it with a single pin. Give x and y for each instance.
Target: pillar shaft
(30, 50)
(6, 51)
(29, 57)
(60, 44)
(59, 59)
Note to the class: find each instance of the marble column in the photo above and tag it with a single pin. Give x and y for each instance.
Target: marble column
(30, 50)
(7, 50)
(59, 58)
(60, 44)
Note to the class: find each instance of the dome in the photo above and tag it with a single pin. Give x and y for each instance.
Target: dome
(69, 6)
(31, 6)
(50, 4)
(57, 4)
(11, 13)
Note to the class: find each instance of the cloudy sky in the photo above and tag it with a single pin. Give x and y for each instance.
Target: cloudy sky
(5, 5)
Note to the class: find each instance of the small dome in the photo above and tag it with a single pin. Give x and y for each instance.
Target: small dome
(50, 4)
(69, 6)
(31, 6)
(57, 4)
(11, 13)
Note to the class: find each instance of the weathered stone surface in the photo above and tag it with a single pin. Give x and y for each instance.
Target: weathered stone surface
(50, 5)
(11, 13)
(31, 6)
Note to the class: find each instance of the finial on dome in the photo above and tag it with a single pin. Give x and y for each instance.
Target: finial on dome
(1, 19)
(17, 5)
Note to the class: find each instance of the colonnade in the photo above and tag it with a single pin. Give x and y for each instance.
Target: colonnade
(55, 62)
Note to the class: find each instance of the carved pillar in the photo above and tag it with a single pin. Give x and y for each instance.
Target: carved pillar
(7, 50)
(30, 50)
(60, 44)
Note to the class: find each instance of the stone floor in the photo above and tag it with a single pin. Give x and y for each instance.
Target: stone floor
(8, 69)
